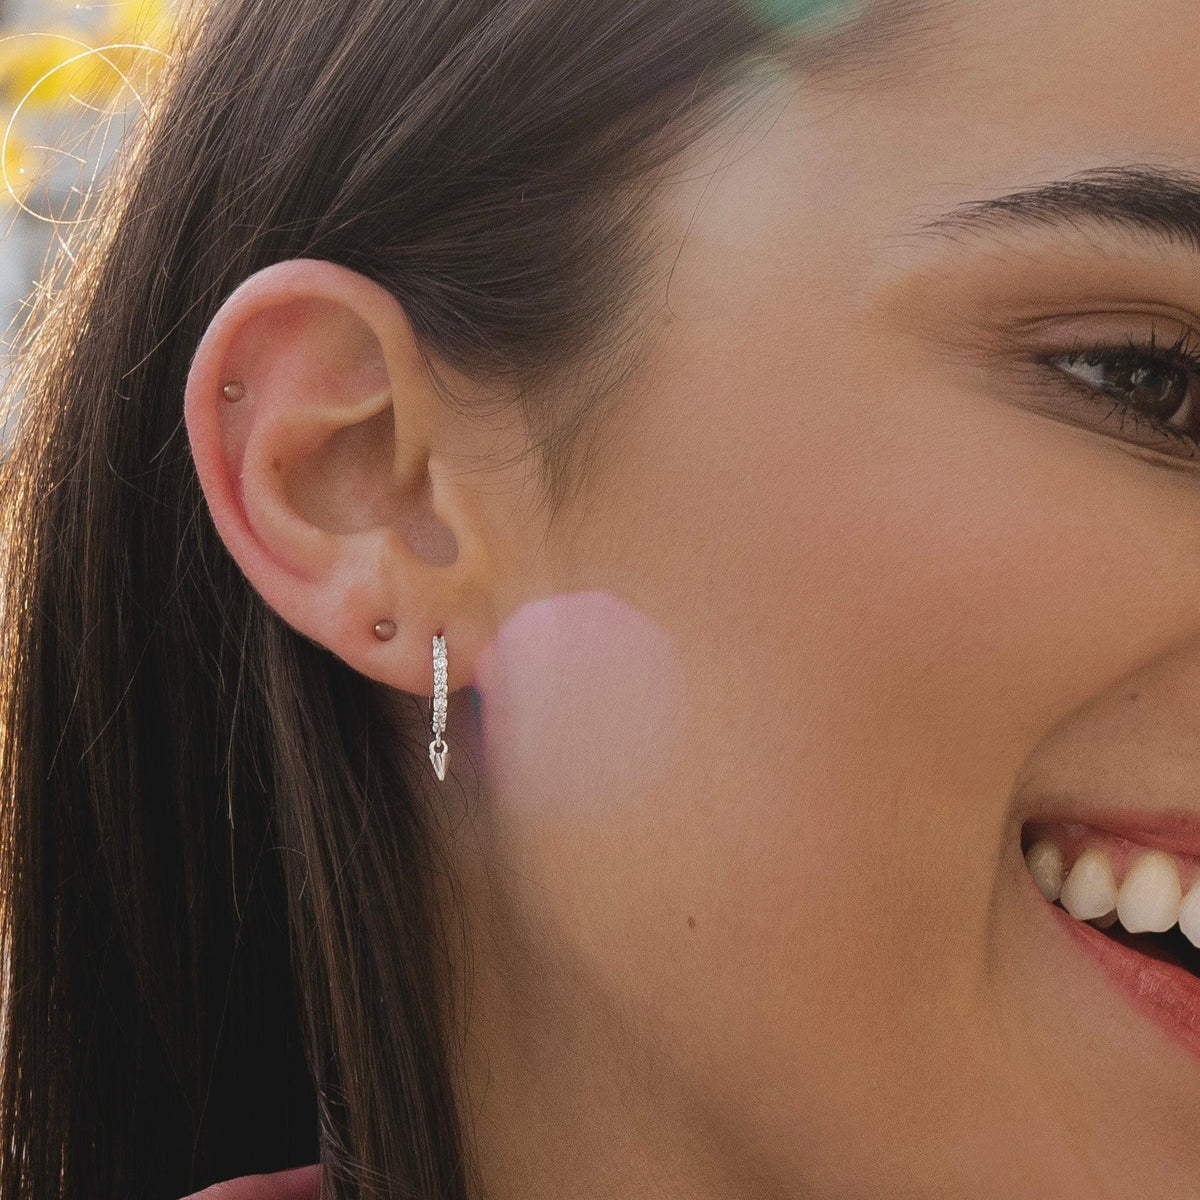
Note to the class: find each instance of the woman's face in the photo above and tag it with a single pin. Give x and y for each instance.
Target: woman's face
(868, 573)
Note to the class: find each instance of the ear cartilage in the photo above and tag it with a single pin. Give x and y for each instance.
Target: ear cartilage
(385, 630)
(234, 391)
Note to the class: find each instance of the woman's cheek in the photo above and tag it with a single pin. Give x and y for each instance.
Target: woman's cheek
(582, 701)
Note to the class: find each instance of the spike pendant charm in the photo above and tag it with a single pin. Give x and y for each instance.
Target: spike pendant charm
(438, 758)
(438, 750)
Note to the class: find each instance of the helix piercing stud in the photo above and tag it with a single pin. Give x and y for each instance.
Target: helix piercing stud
(385, 630)
(233, 392)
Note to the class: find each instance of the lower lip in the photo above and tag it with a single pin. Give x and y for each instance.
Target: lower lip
(1166, 994)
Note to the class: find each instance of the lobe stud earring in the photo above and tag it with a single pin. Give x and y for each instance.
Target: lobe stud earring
(233, 392)
(438, 750)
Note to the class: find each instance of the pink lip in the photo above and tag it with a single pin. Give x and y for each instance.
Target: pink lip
(1176, 831)
(1166, 994)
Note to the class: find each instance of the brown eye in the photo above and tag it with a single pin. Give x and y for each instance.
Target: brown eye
(1157, 389)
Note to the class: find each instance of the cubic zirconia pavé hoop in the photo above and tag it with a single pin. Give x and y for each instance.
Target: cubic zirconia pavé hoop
(438, 750)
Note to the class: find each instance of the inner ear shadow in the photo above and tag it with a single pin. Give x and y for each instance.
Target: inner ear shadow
(348, 485)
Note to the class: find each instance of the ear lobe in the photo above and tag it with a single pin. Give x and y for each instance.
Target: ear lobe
(317, 470)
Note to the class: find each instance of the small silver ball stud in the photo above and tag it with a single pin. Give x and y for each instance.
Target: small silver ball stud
(385, 630)
(234, 391)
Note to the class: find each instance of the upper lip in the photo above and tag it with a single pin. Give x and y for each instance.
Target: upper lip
(1176, 830)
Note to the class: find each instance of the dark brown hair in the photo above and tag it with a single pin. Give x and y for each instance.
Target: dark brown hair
(217, 871)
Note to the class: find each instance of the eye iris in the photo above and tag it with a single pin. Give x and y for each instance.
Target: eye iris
(1157, 389)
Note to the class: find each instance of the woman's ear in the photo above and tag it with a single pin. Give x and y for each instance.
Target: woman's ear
(313, 422)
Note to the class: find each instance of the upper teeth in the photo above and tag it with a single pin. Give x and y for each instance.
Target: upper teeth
(1149, 899)
(1090, 890)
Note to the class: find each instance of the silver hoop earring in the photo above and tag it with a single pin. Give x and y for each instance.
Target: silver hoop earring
(438, 750)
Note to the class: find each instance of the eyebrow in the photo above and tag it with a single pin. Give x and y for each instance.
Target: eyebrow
(1160, 203)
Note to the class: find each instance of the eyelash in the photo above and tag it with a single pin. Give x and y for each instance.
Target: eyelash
(1183, 353)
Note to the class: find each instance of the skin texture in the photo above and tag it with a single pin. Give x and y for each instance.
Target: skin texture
(899, 591)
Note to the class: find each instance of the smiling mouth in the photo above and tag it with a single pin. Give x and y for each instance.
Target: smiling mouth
(1129, 897)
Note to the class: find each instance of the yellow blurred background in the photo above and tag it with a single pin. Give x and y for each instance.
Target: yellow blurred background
(73, 77)
(63, 62)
